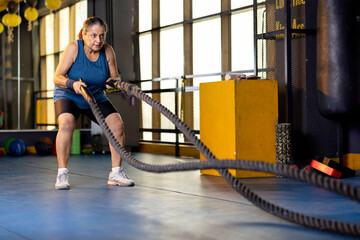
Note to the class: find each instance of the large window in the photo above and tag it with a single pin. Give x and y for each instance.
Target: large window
(56, 31)
(171, 64)
(185, 43)
(202, 8)
(242, 38)
(146, 73)
(171, 12)
(206, 57)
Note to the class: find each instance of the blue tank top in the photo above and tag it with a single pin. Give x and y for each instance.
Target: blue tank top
(94, 74)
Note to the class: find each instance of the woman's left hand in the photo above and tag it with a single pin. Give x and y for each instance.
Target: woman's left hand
(109, 79)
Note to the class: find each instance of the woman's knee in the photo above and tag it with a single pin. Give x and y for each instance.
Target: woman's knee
(118, 128)
(116, 124)
(67, 122)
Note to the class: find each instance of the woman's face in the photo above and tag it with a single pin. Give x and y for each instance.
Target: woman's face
(94, 37)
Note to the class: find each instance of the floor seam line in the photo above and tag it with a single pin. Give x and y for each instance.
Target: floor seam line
(162, 189)
(17, 234)
(196, 195)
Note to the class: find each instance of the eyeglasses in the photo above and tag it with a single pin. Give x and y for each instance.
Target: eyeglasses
(95, 36)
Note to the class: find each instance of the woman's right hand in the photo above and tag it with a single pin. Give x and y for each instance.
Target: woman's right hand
(77, 86)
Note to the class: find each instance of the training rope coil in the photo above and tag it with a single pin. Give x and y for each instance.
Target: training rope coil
(221, 166)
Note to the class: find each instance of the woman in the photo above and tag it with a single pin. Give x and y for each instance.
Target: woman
(94, 61)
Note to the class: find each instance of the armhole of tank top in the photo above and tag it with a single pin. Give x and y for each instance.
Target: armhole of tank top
(105, 59)
(78, 42)
(104, 52)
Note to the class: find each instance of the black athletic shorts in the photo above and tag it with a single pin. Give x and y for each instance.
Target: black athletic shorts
(64, 105)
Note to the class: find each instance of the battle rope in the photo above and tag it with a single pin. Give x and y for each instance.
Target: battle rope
(222, 166)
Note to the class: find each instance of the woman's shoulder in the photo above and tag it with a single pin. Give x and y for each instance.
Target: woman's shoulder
(109, 51)
(71, 51)
(73, 46)
(108, 48)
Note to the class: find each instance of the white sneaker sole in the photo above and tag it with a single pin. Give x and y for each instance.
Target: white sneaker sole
(62, 187)
(113, 183)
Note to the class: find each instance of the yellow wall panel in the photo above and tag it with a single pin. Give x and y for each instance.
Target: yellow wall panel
(41, 111)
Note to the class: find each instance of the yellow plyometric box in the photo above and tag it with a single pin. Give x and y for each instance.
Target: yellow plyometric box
(237, 121)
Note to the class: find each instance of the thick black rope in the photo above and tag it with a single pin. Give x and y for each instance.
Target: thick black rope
(222, 166)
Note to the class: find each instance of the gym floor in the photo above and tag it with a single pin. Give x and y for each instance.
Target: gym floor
(181, 205)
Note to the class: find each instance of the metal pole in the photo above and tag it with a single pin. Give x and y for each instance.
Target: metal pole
(3, 42)
(177, 147)
(255, 38)
(341, 126)
(287, 62)
(18, 70)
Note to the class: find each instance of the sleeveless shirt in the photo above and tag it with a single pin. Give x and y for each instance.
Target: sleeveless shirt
(94, 74)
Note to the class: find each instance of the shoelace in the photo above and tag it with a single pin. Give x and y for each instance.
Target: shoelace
(122, 173)
(62, 177)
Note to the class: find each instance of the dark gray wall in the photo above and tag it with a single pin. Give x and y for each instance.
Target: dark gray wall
(121, 18)
(9, 87)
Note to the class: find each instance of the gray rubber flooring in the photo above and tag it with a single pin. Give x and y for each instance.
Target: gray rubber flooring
(181, 205)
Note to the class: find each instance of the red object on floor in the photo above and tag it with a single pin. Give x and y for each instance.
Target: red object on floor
(325, 169)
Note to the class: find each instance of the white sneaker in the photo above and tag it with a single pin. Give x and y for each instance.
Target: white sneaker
(62, 181)
(120, 179)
